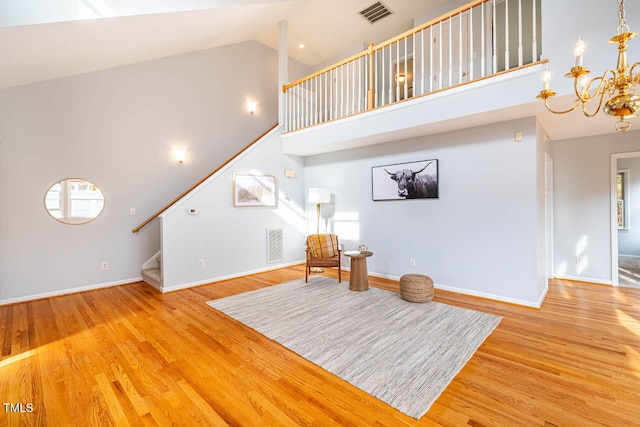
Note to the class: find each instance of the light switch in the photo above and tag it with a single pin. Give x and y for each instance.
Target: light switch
(517, 136)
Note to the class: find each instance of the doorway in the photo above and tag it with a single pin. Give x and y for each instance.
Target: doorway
(625, 219)
(450, 51)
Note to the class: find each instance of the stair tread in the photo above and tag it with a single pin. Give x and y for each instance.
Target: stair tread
(152, 273)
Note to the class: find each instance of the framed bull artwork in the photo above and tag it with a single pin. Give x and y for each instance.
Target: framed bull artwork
(402, 181)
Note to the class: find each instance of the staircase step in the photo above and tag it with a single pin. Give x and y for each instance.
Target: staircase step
(153, 276)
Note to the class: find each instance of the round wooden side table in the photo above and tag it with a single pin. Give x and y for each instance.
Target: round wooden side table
(358, 277)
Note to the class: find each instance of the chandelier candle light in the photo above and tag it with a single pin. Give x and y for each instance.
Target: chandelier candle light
(616, 83)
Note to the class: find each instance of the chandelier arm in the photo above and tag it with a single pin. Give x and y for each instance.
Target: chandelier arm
(636, 78)
(546, 104)
(599, 90)
(583, 95)
(584, 105)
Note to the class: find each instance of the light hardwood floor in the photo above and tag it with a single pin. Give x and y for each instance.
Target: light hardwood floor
(128, 355)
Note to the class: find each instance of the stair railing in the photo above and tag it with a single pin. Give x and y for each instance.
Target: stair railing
(477, 40)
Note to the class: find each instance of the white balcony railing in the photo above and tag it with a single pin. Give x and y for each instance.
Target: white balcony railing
(480, 39)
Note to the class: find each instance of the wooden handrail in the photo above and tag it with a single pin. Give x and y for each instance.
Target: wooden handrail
(177, 199)
(325, 70)
(386, 43)
(428, 24)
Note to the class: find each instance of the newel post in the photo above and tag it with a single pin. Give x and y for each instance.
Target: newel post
(371, 92)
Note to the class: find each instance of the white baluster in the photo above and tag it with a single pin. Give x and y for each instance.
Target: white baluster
(483, 50)
(378, 93)
(331, 99)
(397, 97)
(406, 75)
(494, 43)
(460, 48)
(353, 87)
(321, 99)
(413, 72)
(440, 72)
(471, 65)
(450, 82)
(422, 64)
(534, 44)
(390, 93)
(286, 111)
(431, 58)
(507, 64)
(303, 103)
(520, 53)
(316, 118)
(358, 100)
(298, 106)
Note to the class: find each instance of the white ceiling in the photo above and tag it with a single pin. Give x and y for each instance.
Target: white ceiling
(48, 39)
(40, 40)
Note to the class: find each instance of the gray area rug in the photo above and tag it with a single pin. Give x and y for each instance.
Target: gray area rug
(403, 353)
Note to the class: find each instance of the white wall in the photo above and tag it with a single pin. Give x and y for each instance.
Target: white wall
(582, 203)
(479, 237)
(117, 128)
(629, 239)
(232, 240)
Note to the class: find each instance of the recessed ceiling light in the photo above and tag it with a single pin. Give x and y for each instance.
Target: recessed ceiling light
(301, 45)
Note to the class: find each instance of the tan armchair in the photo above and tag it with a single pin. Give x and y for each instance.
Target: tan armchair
(322, 251)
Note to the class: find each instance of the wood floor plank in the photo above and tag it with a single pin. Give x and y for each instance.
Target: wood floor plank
(129, 355)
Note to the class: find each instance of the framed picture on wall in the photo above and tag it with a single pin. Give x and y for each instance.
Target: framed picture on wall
(403, 181)
(254, 190)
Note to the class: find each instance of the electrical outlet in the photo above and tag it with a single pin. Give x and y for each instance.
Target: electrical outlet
(579, 260)
(132, 211)
(201, 263)
(412, 262)
(105, 265)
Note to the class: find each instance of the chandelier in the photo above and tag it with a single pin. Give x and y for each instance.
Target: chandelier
(614, 83)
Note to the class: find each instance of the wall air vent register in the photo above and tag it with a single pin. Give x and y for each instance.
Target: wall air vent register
(275, 252)
(375, 12)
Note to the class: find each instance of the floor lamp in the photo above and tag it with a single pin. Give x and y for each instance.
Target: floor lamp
(318, 196)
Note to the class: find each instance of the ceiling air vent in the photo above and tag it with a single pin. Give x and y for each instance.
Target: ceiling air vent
(375, 12)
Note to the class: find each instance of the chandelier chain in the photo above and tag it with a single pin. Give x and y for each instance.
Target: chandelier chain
(622, 20)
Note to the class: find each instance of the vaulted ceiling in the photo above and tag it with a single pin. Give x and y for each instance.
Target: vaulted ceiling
(41, 40)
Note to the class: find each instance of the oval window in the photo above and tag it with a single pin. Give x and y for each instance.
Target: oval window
(74, 201)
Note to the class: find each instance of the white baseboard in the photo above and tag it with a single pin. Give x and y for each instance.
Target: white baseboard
(69, 291)
(543, 296)
(462, 291)
(583, 279)
(227, 277)
(494, 297)
(384, 276)
(490, 296)
(139, 279)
